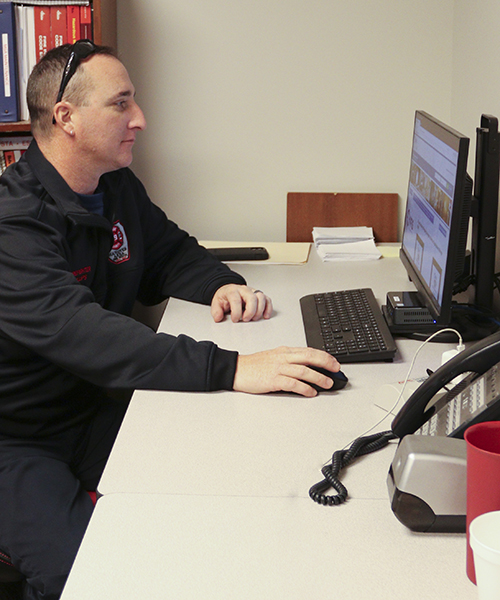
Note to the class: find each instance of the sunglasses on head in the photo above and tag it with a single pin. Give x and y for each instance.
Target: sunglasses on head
(80, 50)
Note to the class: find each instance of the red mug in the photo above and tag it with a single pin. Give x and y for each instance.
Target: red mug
(483, 476)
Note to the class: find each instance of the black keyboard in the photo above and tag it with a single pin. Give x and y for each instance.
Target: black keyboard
(348, 324)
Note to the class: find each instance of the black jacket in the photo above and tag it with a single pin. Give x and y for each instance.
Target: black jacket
(68, 282)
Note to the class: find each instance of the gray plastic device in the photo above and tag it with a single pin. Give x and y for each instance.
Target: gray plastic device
(427, 483)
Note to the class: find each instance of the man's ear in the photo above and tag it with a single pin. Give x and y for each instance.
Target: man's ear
(63, 115)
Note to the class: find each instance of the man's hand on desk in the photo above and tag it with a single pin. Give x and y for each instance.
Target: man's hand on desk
(242, 302)
(283, 369)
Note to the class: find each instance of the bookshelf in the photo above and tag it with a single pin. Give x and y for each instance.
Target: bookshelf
(104, 28)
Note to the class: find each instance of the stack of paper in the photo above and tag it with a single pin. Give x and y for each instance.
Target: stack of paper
(345, 243)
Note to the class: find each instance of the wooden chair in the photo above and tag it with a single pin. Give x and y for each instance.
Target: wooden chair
(306, 210)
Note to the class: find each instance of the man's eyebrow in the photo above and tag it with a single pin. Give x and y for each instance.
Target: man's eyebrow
(121, 96)
(126, 93)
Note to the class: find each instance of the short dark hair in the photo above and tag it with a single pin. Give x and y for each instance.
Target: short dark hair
(44, 82)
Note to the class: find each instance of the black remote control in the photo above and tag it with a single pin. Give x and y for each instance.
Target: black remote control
(242, 253)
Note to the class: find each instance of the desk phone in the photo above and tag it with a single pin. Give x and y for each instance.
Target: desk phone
(475, 399)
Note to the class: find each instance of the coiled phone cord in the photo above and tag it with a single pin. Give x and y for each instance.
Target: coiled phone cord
(361, 445)
(340, 460)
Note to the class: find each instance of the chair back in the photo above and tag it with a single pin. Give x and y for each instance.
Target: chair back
(306, 210)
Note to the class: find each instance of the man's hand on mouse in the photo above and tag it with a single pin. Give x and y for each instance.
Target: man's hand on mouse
(242, 302)
(284, 369)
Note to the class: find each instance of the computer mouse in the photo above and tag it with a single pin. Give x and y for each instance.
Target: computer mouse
(339, 379)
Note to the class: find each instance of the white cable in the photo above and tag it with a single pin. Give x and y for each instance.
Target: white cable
(460, 345)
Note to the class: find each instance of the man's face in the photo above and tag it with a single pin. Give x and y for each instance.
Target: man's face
(106, 126)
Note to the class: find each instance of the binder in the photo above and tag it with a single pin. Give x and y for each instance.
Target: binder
(73, 13)
(58, 26)
(26, 52)
(42, 31)
(86, 22)
(9, 108)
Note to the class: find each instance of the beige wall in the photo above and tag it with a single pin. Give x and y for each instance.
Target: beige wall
(248, 100)
(476, 70)
(476, 65)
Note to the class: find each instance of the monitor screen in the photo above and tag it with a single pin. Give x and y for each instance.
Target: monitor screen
(437, 211)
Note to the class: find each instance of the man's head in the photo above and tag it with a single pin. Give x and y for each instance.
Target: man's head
(44, 83)
(95, 121)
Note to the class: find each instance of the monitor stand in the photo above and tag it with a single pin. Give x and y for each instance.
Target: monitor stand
(411, 319)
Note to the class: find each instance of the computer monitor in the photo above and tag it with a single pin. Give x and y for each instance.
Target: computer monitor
(485, 212)
(433, 250)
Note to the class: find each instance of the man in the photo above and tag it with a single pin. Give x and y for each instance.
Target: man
(80, 241)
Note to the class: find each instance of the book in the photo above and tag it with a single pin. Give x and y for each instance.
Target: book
(12, 148)
(9, 92)
(10, 159)
(42, 31)
(58, 26)
(36, 27)
(50, 2)
(15, 142)
(26, 55)
(73, 18)
(30, 23)
(86, 23)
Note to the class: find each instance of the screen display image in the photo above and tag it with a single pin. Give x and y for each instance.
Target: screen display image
(433, 176)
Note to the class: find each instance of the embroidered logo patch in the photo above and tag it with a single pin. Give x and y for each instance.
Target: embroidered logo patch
(119, 251)
(82, 274)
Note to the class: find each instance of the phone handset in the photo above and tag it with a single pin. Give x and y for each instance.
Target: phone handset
(478, 358)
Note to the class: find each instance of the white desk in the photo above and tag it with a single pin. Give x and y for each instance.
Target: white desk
(145, 546)
(206, 495)
(230, 443)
